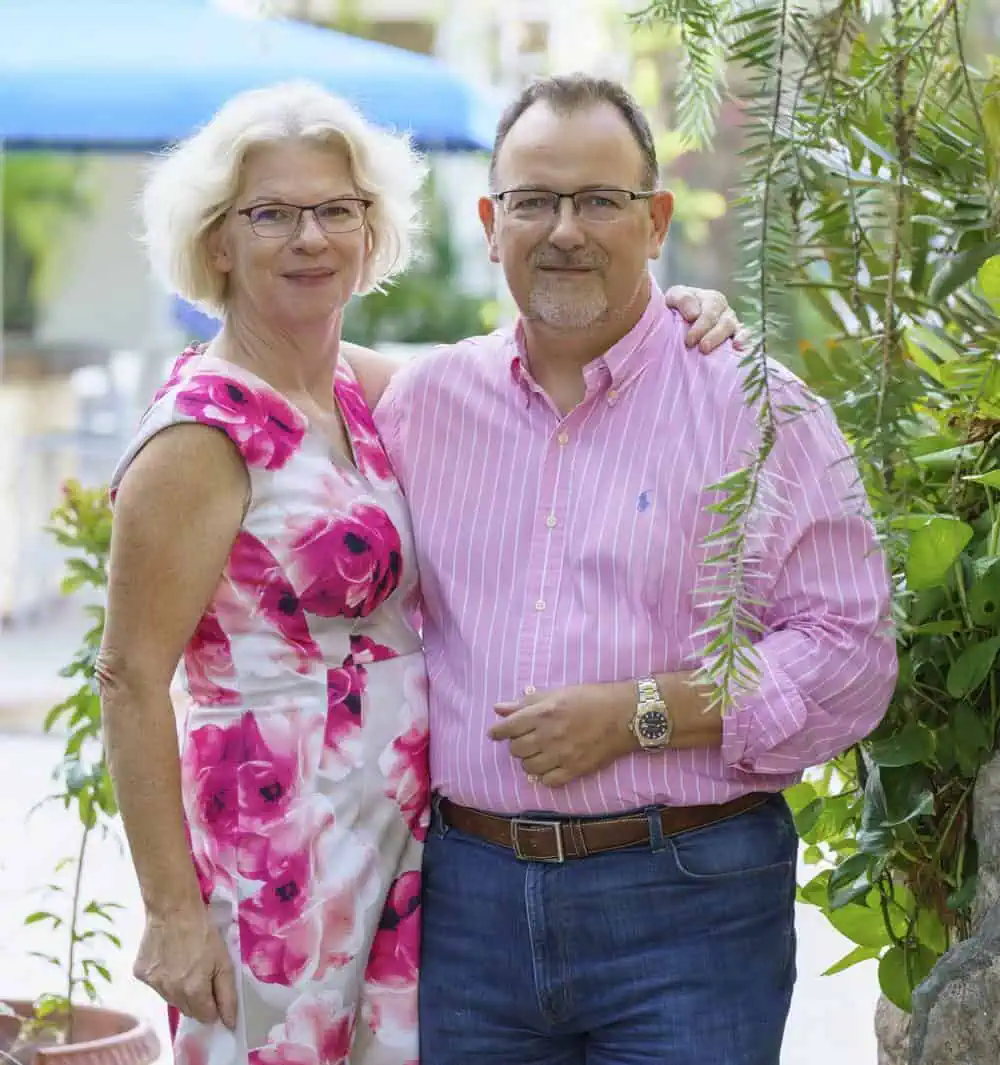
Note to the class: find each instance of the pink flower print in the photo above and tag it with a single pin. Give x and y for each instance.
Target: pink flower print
(208, 664)
(348, 885)
(278, 931)
(265, 852)
(395, 953)
(266, 429)
(210, 767)
(342, 747)
(365, 649)
(350, 565)
(405, 764)
(190, 1048)
(389, 999)
(271, 775)
(256, 572)
(368, 449)
(407, 772)
(318, 1030)
(179, 371)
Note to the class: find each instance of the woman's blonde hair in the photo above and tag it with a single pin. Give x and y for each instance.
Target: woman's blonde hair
(193, 184)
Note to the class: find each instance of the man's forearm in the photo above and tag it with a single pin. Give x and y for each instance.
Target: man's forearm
(696, 722)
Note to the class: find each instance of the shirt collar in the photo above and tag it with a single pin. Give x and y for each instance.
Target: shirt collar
(617, 367)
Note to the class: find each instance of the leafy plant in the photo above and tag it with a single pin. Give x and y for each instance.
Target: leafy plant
(868, 191)
(427, 304)
(81, 525)
(40, 192)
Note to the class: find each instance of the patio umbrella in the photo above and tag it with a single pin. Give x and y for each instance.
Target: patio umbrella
(108, 75)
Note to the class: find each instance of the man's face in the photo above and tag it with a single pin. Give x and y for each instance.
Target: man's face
(574, 268)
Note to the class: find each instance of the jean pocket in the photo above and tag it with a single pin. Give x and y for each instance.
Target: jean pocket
(759, 841)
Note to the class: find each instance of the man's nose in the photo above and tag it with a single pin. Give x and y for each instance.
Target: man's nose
(566, 231)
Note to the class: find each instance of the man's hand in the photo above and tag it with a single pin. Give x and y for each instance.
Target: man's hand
(568, 733)
(714, 321)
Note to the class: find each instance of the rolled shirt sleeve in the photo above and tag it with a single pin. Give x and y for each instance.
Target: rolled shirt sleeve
(826, 666)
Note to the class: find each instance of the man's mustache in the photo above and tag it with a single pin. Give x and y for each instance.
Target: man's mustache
(567, 262)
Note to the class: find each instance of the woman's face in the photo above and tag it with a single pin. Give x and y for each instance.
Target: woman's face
(293, 276)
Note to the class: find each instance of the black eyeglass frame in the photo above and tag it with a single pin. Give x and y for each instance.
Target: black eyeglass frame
(303, 209)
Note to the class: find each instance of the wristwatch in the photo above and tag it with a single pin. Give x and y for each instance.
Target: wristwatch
(651, 724)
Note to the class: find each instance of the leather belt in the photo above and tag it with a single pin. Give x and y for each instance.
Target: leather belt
(542, 840)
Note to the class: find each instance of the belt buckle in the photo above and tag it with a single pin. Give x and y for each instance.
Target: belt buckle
(528, 822)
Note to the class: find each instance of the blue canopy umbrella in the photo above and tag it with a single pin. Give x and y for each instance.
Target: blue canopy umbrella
(137, 75)
(108, 75)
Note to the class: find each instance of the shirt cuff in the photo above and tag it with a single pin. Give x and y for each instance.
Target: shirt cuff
(763, 720)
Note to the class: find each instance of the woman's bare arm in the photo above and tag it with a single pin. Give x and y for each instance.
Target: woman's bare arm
(373, 370)
(177, 512)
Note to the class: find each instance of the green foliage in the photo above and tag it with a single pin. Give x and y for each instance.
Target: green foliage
(868, 193)
(82, 526)
(427, 304)
(41, 193)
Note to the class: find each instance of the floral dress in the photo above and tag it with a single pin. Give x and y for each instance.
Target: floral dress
(304, 752)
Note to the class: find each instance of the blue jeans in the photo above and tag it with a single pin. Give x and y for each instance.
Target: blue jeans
(679, 952)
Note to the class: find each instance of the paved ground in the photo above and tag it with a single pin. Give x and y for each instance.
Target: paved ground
(830, 1022)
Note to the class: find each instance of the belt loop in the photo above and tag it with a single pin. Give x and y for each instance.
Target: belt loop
(657, 841)
(439, 826)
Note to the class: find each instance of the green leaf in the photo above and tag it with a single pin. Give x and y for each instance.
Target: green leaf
(815, 892)
(991, 479)
(901, 969)
(861, 925)
(934, 549)
(908, 795)
(989, 280)
(913, 743)
(807, 818)
(972, 667)
(798, 796)
(960, 269)
(43, 915)
(984, 596)
(851, 880)
(964, 896)
(812, 855)
(859, 954)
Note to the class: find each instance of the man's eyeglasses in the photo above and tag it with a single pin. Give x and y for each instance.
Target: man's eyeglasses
(344, 214)
(590, 205)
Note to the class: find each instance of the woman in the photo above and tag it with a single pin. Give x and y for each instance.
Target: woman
(261, 540)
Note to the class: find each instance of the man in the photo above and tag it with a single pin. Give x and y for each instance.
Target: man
(610, 872)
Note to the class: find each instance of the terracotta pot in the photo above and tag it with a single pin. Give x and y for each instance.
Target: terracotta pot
(101, 1037)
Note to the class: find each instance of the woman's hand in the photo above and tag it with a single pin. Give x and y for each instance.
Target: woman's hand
(712, 320)
(184, 960)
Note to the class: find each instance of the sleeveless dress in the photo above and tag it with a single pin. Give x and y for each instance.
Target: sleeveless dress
(304, 749)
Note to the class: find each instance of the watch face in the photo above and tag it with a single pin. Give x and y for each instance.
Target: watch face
(653, 725)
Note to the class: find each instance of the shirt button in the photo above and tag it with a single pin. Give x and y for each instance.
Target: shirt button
(612, 397)
(530, 689)
(540, 605)
(563, 438)
(552, 521)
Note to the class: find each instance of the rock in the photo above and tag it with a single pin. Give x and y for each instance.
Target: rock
(986, 821)
(892, 1029)
(956, 1010)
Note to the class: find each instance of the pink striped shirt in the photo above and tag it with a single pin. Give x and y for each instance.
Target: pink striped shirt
(566, 550)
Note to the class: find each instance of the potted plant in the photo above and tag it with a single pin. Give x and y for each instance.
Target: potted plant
(56, 1029)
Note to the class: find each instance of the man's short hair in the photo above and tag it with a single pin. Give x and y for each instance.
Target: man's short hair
(566, 93)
